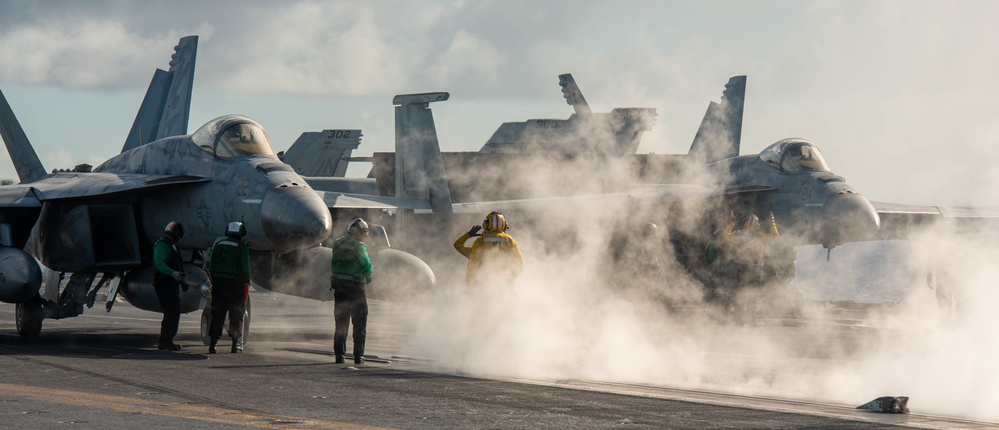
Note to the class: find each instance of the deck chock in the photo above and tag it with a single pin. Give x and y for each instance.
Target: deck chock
(887, 404)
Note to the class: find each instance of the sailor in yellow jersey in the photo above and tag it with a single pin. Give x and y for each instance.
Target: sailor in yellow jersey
(494, 256)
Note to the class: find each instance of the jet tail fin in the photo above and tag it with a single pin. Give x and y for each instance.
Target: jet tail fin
(322, 153)
(29, 167)
(166, 108)
(720, 133)
(419, 167)
(573, 96)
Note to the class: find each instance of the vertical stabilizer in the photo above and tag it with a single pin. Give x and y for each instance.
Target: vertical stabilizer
(166, 108)
(322, 153)
(419, 168)
(720, 133)
(573, 96)
(29, 167)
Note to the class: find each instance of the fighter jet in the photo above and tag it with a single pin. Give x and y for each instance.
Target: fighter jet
(615, 134)
(696, 194)
(103, 222)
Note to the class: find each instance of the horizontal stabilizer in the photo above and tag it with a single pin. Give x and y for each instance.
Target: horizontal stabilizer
(892, 405)
(29, 167)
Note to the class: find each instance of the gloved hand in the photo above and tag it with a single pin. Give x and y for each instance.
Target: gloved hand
(474, 231)
(177, 276)
(183, 287)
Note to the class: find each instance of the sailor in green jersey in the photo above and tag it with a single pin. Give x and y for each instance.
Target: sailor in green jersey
(169, 275)
(229, 267)
(352, 270)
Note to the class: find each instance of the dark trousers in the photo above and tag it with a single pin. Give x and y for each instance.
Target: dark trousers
(228, 296)
(350, 304)
(167, 291)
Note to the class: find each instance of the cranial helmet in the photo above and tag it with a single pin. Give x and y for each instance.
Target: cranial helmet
(174, 228)
(235, 229)
(650, 229)
(752, 221)
(358, 226)
(495, 222)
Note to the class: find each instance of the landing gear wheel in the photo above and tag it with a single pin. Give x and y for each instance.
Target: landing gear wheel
(29, 317)
(246, 322)
(206, 323)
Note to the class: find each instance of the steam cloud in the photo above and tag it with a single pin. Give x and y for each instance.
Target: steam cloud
(574, 313)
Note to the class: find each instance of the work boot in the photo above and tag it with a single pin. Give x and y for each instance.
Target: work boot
(358, 359)
(339, 359)
(213, 347)
(170, 346)
(237, 345)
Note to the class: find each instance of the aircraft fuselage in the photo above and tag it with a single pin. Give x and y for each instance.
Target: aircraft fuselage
(277, 207)
(810, 205)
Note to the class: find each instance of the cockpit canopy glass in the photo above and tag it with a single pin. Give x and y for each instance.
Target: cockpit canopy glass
(794, 155)
(233, 136)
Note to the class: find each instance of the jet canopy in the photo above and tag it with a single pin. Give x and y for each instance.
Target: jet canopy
(794, 155)
(233, 136)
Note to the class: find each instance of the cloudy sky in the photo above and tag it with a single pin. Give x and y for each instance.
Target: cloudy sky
(899, 95)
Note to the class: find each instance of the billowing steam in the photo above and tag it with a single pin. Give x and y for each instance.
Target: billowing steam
(867, 324)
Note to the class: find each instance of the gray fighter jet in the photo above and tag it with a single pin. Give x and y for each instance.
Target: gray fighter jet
(615, 133)
(695, 195)
(789, 178)
(102, 223)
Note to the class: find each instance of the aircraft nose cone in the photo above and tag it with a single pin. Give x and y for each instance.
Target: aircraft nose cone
(294, 217)
(849, 218)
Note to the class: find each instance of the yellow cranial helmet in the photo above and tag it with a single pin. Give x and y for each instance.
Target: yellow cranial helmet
(752, 221)
(494, 222)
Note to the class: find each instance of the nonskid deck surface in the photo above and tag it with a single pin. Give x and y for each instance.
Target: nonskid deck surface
(100, 371)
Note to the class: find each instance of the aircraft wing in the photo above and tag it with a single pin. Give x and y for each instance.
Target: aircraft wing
(335, 200)
(746, 189)
(660, 193)
(18, 196)
(71, 185)
(899, 221)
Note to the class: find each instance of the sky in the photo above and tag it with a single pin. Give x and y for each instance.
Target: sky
(898, 95)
